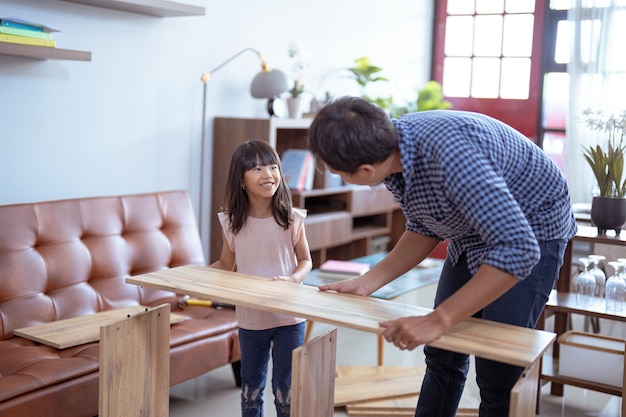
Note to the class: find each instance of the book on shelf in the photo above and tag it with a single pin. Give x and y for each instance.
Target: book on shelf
(298, 169)
(23, 32)
(335, 269)
(27, 41)
(12, 22)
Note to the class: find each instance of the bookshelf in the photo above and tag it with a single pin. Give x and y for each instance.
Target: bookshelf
(42, 52)
(159, 8)
(343, 222)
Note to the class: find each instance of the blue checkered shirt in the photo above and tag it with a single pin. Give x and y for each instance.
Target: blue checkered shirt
(481, 184)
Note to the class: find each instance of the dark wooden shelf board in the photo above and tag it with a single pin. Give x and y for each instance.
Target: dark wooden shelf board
(42, 52)
(159, 8)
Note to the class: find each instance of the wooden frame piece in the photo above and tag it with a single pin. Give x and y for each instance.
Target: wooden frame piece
(313, 385)
(135, 365)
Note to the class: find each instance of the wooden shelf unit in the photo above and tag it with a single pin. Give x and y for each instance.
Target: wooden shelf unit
(562, 303)
(341, 221)
(159, 8)
(42, 52)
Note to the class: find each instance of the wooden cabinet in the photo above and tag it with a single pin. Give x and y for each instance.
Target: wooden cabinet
(343, 222)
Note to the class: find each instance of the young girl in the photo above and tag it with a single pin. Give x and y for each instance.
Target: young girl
(263, 236)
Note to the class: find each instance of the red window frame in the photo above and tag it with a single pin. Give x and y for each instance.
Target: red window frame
(522, 115)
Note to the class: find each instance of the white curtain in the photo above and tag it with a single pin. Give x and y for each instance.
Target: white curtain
(597, 72)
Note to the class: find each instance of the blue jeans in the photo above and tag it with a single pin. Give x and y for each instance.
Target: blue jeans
(522, 305)
(256, 346)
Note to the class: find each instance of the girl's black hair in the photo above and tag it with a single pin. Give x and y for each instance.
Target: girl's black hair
(247, 156)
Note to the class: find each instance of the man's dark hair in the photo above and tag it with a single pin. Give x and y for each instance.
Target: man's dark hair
(349, 132)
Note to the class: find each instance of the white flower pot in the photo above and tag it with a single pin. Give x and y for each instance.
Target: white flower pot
(294, 107)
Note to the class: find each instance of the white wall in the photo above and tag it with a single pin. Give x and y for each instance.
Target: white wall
(129, 121)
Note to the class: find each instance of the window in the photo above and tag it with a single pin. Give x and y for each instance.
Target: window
(582, 66)
(487, 58)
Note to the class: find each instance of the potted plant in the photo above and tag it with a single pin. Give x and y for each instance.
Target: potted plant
(430, 97)
(299, 65)
(608, 208)
(364, 73)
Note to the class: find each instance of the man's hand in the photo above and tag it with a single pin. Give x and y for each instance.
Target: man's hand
(407, 333)
(349, 286)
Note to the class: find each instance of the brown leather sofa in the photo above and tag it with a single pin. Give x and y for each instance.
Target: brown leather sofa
(68, 258)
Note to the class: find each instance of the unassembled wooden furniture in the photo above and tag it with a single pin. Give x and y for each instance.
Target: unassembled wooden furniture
(376, 391)
(135, 365)
(342, 222)
(562, 303)
(62, 334)
(496, 341)
(312, 385)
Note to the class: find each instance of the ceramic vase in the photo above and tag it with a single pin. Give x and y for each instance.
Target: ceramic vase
(294, 107)
(608, 213)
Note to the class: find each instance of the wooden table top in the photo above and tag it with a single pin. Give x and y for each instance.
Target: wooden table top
(75, 331)
(504, 343)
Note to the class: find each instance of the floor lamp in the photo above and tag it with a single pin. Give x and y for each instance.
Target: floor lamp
(268, 84)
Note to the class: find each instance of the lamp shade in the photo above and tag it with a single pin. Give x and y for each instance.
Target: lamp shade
(269, 84)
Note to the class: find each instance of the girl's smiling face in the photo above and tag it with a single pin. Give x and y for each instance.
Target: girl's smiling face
(262, 180)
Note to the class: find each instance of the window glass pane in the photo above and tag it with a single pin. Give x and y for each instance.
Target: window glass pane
(561, 50)
(518, 35)
(460, 7)
(489, 6)
(485, 77)
(590, 29)
(560, 4)
(617, 60)
(515, 81)
(616, 102)
(488, 36)
(459, 30)
(520, 6)
(555, 145)
(555, 100)
(457, 74)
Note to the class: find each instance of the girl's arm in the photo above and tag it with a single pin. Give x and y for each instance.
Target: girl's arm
(227, 257)
(303, 255)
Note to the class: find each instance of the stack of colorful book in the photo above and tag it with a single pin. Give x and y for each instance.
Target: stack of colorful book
(20, 31)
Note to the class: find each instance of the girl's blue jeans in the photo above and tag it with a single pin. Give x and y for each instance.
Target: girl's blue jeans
(256, 346)
(522, 305)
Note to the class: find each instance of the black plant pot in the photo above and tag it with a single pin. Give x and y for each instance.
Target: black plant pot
(608, 213)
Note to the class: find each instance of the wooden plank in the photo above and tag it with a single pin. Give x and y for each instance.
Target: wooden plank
(524, 393)
(312, 385)
(159, 8)
(42, 52)
(75, 331)
(382, 384)
(399, 405)
(490, 340)
(135, 365)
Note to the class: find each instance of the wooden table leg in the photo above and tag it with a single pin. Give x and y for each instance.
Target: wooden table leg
(309, 329)
(381, 350)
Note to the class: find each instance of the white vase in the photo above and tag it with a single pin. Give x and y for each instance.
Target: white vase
(294, 107)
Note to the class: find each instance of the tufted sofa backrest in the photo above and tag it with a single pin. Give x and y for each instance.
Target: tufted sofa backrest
(68, 258)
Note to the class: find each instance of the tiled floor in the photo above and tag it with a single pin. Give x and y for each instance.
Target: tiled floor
(215, 393)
